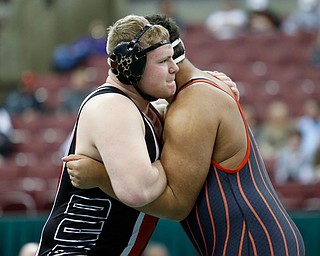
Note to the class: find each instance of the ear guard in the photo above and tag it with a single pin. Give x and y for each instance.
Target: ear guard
(126, 64)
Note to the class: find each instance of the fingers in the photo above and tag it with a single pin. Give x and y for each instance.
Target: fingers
(223, 77)
(218, 73)
(71, 157)
(232, 85)
(71, 161)
(227, 80)
(75, 183)
(73, 178)
(71, 174)
(71, 165)
(236, 92)
(68, 158)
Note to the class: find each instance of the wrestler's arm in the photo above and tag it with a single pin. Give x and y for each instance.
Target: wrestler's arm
(189, 138)
(87, 173)
(186, 157)
(121, 148)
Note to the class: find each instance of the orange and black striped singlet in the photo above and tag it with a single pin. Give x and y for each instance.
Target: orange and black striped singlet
(239, 213)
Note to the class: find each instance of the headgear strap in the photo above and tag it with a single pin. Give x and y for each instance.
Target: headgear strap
(181, 56)
(128, 61)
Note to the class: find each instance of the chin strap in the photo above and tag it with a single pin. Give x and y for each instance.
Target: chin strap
(144, 52)
(144, 95)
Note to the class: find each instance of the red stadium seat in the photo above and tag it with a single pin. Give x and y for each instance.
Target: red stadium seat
(292, 195)
(17, 202)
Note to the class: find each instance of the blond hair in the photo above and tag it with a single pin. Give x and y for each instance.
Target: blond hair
(127, 28)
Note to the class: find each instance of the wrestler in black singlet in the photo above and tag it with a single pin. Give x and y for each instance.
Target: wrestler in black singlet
(88, 221)
(238, 211)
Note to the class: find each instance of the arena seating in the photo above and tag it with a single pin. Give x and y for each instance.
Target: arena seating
(265, 67)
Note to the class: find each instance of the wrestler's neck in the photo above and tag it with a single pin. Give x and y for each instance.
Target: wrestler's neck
(187, 71)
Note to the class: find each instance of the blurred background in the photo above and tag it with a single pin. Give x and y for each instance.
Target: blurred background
(52, 54)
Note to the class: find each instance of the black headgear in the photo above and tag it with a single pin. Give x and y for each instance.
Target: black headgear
(128, 61)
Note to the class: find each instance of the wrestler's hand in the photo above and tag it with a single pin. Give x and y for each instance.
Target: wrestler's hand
(233, 86)
(85, 172)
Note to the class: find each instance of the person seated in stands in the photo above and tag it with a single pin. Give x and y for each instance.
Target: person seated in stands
(156, 249)
(169, 8)
(252, 118)
(28, 249)
(6, 129)
(305, 18)
(261, 18)
(316, 163)
(292, 164)
(68, 56)
(309, 125)
(227, 23)
(76, 91)
(315, 53)
(27, 98)
(274, 129)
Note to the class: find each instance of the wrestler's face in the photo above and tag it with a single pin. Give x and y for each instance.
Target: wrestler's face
(159, 74)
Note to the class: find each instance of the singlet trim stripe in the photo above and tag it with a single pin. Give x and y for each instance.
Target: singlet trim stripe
(242, 237)
(211, 218)
(255, 214)
(225, 203)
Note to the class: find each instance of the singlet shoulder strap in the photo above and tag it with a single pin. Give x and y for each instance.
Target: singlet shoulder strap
(100, 90)
(201, 80)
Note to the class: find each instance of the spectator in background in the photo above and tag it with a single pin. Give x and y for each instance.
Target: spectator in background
(305, 18)
(97, 37)
(309, 126)
(6, 129)
(227, 23)
(251, 115)
(27, 98)
(275, 130)
(28, 249)
(169, 8)
(68, 56)
(77, 90)
(292, 163)
(316, 163)
(261, 18)
(156, 249)
(315, 53)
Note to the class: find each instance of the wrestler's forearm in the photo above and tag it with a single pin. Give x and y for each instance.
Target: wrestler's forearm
(171, 204)
(166, 206)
